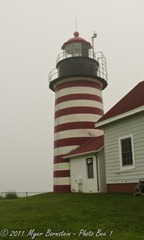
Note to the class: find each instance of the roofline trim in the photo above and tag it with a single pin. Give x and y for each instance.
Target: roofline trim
(120, 116)
(84, 153)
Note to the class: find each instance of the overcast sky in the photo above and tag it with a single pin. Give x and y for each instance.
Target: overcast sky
(31, 35)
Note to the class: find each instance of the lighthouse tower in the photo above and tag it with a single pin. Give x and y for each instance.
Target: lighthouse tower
(78, 81)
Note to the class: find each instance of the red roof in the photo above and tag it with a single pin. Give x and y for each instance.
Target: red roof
(75, 39)
(134, 99)
(93, 145)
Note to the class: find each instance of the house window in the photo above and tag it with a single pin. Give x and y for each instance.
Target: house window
(90, 172)
(126, 152)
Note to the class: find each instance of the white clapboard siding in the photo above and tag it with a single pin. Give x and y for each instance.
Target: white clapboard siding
(134, 126)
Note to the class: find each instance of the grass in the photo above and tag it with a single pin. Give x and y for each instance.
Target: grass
(119, 216)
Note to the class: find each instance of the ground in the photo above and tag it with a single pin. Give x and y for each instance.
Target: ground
(73, 216)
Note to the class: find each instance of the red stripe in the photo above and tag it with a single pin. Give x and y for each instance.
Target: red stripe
(74, 125)
(78, 110)
(61, 173)
(78, 83)
(70, 141)
(61, 188)
(80, 96)
(60, 159)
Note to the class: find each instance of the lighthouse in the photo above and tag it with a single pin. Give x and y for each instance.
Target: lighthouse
(78, 80)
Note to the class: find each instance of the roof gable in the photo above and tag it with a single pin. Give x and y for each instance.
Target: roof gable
(133, 100)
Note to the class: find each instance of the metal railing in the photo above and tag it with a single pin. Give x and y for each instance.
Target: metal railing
(3, 195)
(53, 75)
(102, 71)
(99, 57)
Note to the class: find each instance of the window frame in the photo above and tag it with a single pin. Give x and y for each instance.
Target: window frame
(89, 176)
(130, 166)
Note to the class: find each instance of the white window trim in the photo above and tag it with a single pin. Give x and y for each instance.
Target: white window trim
(92, 169)
(120, 153)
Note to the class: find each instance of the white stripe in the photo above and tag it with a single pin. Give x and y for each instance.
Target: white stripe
(64, 150)
(77, 118)
(61, 166)
(78, 133)
(78, 90)
(62, 181)
(78, 103)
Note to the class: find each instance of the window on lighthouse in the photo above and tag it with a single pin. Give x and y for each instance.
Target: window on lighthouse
(74, 49)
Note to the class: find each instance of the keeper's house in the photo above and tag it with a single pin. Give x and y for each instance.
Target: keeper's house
(124, 141)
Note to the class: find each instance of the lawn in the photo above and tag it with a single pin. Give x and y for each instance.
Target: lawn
(73, 216)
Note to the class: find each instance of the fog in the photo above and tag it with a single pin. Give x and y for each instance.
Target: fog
(31, 35)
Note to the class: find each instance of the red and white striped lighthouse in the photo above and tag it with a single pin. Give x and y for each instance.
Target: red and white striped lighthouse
(78, 81)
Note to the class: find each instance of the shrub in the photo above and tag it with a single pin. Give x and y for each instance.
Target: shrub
(11, 195)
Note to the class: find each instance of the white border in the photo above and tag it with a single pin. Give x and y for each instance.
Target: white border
(120, 116)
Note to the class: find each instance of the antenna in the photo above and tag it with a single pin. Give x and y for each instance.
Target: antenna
(76, 24)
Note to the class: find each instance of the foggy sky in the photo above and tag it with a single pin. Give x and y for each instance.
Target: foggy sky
(31, 35)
